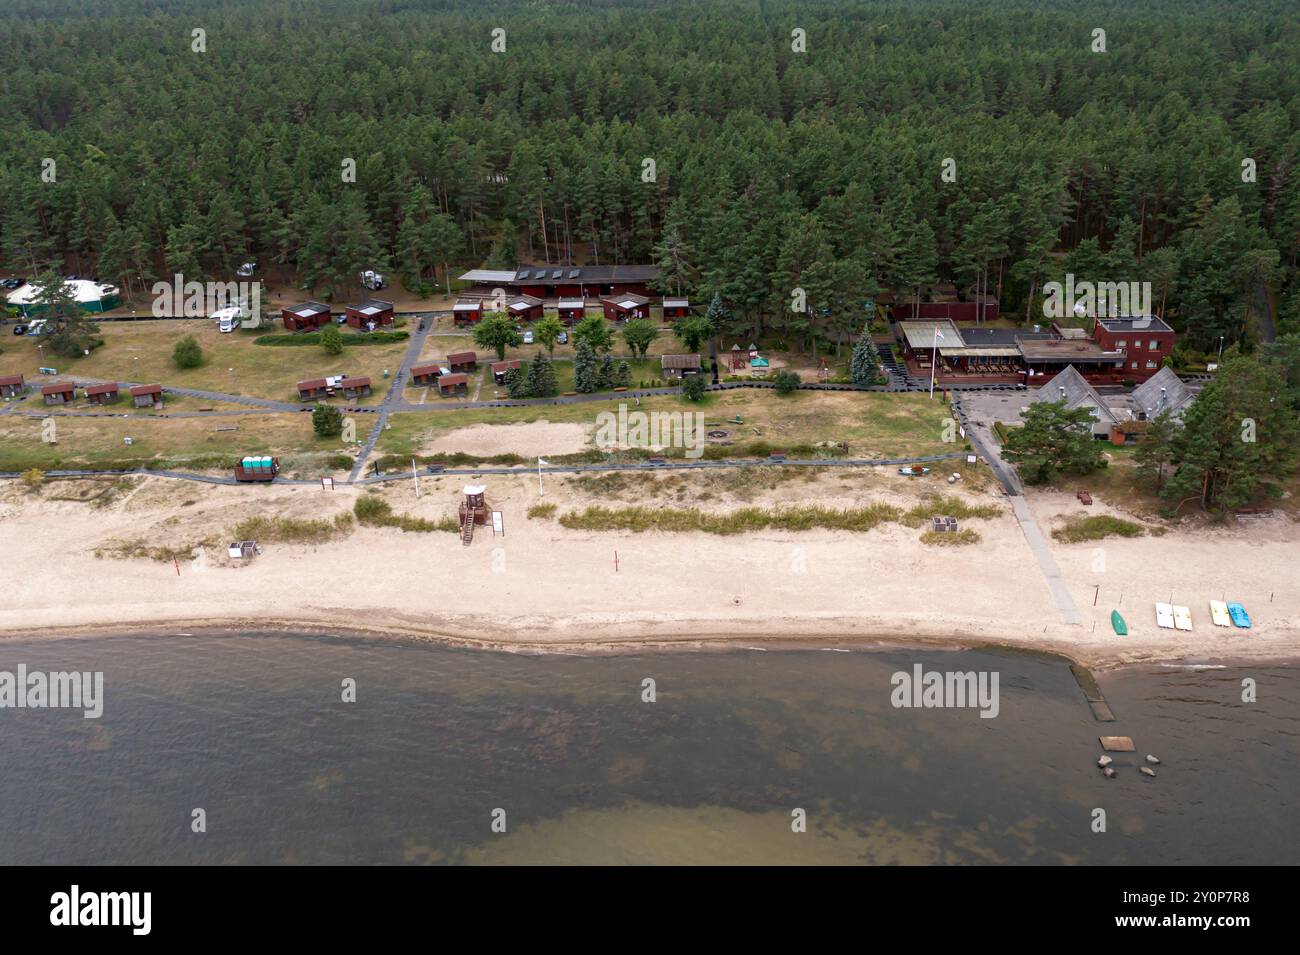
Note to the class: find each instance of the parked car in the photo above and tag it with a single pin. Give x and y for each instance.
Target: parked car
(246, 270)
(528, 337)
(13, 283)
(20, 329)
(562, 338)
(38, 327)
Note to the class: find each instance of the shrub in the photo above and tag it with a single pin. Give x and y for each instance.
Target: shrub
(542, 511)
(693, 387)
(33, 477)
(332, 340)
(289, 530)
(187, 353)
(327, 421)
(950, 538)
(786, 382)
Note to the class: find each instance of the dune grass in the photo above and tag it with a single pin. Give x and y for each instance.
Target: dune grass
(1080, 529)
(373, 511)
(951, 539)
(289, 530)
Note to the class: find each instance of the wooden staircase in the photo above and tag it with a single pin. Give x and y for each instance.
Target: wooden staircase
(467, 526)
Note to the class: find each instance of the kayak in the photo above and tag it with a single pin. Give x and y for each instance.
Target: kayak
(1118, 623)
(1219, 612)
(1239, 615)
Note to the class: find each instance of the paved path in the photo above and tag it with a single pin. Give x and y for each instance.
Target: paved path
(1038, 546)
(984, 440)
(393, 398)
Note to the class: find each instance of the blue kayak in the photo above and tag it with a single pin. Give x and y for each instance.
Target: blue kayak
(1239, 616)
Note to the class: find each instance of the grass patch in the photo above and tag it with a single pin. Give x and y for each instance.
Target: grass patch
(542, 511)
(373, 511)
(941, 506)
(741, 521)
(950, 538)
(288, 530)
(144, 550)
(1094, 528)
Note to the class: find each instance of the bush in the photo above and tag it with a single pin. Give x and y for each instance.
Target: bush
(33, 477)
(288, 530)
(693, 387)
(327, 421)
(187, 353)
(786, 382)
(332, 340)
(542, 511)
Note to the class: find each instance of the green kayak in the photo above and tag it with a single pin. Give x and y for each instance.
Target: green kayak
(1118, 623)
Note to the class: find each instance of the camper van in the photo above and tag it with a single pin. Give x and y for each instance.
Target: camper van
(228, 318)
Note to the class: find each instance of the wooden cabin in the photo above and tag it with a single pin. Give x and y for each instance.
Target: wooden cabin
(59, 393)
(146, 396)
(467, 311)
(678, 366)
(676, 308)
(11, 386)
(313, 388)
(455, 384)
(462, 361)
(355, 387)
(372, 312)
(102, 393)
(524, 308)
(621, 308)
(501, 368)
(425, 375)
(572, 310)
(305, 317)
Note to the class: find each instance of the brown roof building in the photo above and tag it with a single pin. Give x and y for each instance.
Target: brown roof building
(102, 393)
(59, 393)
(143, 396)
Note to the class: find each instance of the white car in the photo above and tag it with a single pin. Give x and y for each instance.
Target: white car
(528, 337)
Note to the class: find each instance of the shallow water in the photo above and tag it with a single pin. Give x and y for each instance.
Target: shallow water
(252, 729)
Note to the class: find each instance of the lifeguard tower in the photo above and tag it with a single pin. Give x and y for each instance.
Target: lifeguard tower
(473, 510)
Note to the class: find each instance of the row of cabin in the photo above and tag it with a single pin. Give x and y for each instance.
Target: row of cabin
(450, 377)
(65, 392)
(315, 389)
(309, 316)
(571, 309)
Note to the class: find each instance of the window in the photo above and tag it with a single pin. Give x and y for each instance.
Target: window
(1121, 343)
(1134, 365)
(1151, 364)
(1155, 345)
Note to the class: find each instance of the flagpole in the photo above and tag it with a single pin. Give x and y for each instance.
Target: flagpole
(934, 359)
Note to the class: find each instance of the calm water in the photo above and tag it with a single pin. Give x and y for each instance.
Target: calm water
(252, 729)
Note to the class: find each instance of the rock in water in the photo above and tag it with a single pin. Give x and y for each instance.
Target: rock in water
(1148, 771)
(1152, 760)
(1108, 773)
(1104, 762)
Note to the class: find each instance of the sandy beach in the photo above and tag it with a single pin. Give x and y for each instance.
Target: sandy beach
(544, 587)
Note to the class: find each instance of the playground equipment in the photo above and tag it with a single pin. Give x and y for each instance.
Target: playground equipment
(473, 510)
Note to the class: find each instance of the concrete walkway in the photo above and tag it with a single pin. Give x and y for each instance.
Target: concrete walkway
(1043, 554)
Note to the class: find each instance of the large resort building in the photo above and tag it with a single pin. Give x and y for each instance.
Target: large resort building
(1118, 350)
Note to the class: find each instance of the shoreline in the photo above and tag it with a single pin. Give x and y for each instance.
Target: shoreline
(547, 588)
(702, 639)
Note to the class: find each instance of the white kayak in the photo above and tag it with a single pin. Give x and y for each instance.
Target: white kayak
(1219, 613)
(1182, 618)
(1165, 616)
